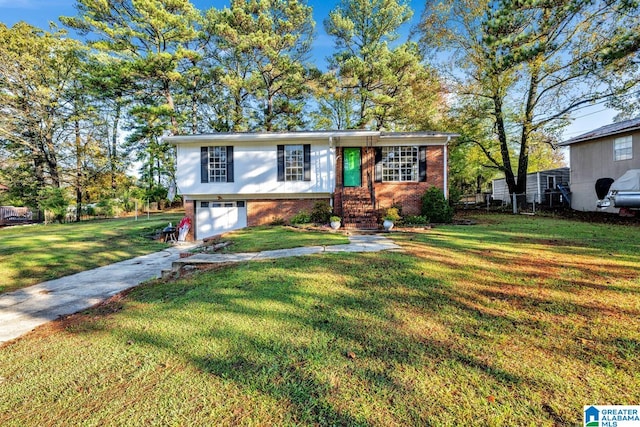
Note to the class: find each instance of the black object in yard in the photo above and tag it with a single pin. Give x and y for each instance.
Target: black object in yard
(169, 233)
(602, 187)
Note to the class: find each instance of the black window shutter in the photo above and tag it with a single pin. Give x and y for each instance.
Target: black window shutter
(422, 164)
(378, 171)
(204, 164)
(230, 163)
(280, 162)
(307, 162)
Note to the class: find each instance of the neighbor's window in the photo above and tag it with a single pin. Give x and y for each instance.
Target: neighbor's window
(622, 148)
(400, 163)
(217, 164)
(293, 163)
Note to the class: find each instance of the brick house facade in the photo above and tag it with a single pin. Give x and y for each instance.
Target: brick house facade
(230, 181)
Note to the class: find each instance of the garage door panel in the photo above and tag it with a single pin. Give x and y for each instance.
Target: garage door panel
(219, 217)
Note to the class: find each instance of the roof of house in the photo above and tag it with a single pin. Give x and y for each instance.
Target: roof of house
(3, 187)
(272, 136)
(604, 131)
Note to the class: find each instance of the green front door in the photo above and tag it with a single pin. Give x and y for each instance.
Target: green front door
(351, 167)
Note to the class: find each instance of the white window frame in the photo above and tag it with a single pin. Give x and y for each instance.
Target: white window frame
(294, 162)
(217, 164)
(400, 164)
(623, 148)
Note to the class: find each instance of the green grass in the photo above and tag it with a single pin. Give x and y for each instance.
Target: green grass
(514, 321)
(36, 253)
(256, 239)
(33, 254)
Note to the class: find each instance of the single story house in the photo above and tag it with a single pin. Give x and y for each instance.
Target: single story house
(233, 180)
(606, 152)
(542, 187)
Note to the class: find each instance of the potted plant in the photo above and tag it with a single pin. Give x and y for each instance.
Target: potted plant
(335, 222)
(390, 217)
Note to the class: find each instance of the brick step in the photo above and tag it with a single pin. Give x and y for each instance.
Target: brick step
(357, 202)
(356, 199)
(361, 226)
(360, 212)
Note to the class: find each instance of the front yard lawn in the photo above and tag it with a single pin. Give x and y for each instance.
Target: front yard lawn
(33, 254)
(36, 253)
(265, 238)
(514, 321)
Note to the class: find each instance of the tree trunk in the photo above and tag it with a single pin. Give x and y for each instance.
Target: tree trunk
(268, 113)
(504, 144)
(113, 151)
(38, 169)
(194, 106)
(51, 160)
(169, 98)
(79, 180)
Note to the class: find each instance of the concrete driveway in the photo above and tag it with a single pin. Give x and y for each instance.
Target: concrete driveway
(24, 309)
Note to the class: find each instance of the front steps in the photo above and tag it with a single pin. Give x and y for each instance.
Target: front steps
(358, 212)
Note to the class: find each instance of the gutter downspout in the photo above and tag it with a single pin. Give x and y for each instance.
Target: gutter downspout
(446, 168)
(332, 169)
(539, 196)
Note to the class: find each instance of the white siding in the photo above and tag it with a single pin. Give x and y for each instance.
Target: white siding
(255, 171)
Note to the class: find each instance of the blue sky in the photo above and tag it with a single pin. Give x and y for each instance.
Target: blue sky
(40, 12)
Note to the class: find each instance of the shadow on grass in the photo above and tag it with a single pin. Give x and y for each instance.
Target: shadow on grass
(310, 328)
(359, 339)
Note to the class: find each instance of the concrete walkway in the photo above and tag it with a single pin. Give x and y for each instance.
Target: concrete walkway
(24, 309)
(359, 243)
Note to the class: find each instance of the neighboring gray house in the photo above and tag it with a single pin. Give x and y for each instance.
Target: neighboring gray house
(541, 187)
(606, 152)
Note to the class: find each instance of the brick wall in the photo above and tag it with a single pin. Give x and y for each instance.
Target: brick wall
(190, 211)
(263, 212)
(406, 194)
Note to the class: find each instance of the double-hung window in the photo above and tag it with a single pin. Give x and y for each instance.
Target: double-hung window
(216, 164)
(294, 162)
(623, 148)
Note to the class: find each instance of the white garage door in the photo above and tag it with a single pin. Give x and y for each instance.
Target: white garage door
(217, 217)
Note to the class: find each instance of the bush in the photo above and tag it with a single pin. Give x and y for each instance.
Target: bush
(276, 220)
(415, 220)
(301, 217)
(455, 194)
(109, 208)
(321, 212)
(54, 200)
(392, 214)
(435, 207)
